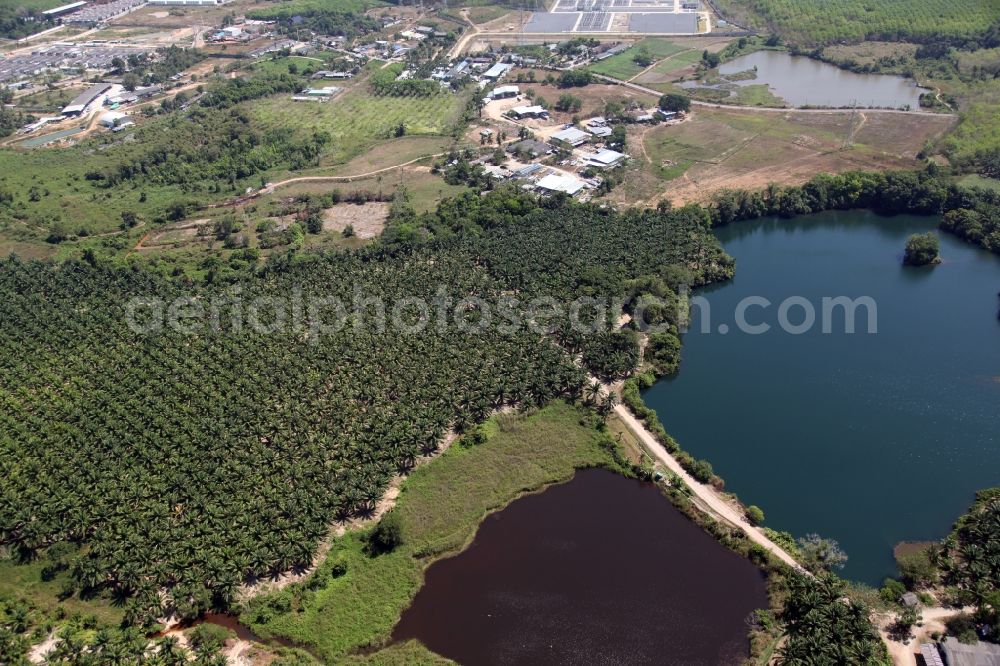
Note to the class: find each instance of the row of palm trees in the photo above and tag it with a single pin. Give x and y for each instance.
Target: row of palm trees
(185, 464)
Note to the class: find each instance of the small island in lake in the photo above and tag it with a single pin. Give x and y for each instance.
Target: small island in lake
(922, 250)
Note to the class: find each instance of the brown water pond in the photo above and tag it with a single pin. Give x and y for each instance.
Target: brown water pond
(599, 570)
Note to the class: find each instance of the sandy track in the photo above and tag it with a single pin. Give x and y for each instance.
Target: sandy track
(705, 494)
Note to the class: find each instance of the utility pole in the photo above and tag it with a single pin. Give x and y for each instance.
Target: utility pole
(849, 137)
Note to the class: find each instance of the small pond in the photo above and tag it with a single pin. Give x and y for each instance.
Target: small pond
(802, 81)
(599, 570)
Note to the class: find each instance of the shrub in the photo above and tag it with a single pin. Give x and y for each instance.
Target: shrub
(387, 535)
(208, 638)
(755, 514)
(891, 590)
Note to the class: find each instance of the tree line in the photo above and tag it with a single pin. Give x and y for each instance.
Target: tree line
(971, 213)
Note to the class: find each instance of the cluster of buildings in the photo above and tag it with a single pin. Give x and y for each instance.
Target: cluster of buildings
(95, 97)
(316, 94)
(289, 45)
(484, 69)
(17, 70)
(92, 14)
(241, 32)
(573, 176)
(952, 652)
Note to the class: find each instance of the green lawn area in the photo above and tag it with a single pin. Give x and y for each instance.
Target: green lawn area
(50, 190)
(357, 119)
(440, 508)
(478, 14)
(290, 7)
(664, 70)
(975, 180)
(622, 66)
(25, 581)
(757, 94)
(31, 4)
(280, 65)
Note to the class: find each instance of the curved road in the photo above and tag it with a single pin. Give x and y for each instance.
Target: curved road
(708, 495)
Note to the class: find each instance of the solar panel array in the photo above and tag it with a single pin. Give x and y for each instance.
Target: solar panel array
(598, 16)
(594, 22)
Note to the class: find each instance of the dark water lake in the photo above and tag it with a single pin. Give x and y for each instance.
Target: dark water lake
(867, 439)
(802, 81)
(599, 570)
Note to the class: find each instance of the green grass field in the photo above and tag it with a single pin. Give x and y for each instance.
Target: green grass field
(487, 13)
(40, 5)
(25, 581)
(357, 119)
(290, 7)
(621, 66)
(813, 22)
(975, 180)
(440, 508)
(757, 94)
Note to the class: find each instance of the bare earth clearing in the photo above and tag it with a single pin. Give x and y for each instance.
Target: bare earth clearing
(731, 149)
(367, 219)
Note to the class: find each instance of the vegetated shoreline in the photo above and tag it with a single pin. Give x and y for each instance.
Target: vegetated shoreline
(606, 459)
(611, 458)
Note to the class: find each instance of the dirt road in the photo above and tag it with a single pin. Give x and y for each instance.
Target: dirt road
(704, 493)
(345, 179)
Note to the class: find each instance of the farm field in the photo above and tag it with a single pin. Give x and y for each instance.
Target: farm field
(622, 66)
(40, 5)
(815, 22)
(356, 118)
(975, 180)
(720, 149)
(153, 17)
(392, 152)
(53, 192)
(440, 507)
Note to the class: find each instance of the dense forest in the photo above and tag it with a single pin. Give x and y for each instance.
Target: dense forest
(17, 22)
(824, 627)
(299, 19)
(192, 461)
(969, 559)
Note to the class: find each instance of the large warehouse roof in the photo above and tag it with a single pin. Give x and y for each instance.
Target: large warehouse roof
(81, 101)
(556, 183)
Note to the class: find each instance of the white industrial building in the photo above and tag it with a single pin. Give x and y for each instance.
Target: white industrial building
(187, 3)
(605, 159)
(114, 120)
(571, 135)
(535, 111)
(56, 12)
(92, 95)
(503, 92)
(497, 71)
(560, 183)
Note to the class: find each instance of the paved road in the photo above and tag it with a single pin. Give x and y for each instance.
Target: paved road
(705, 493)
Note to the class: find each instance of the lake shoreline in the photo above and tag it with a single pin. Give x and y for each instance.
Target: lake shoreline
(934, 518)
